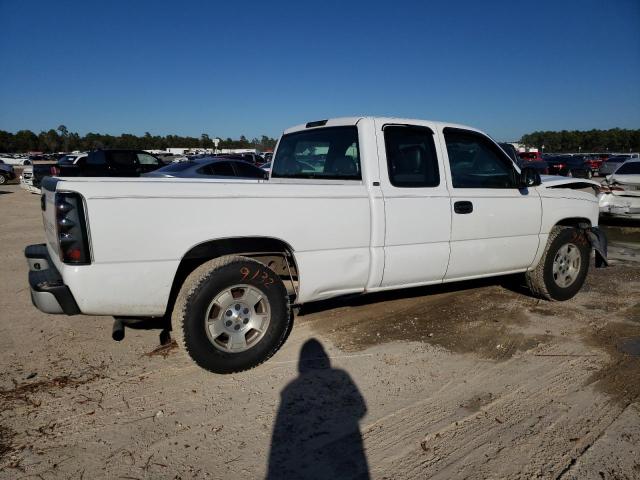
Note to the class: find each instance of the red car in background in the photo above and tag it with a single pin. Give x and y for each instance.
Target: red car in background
(535, 160)
(596, 161)
(530, 156)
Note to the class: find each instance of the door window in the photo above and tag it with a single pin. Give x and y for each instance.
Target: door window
(218, 168)
(245, 170)
(476, 162)
(411, 156)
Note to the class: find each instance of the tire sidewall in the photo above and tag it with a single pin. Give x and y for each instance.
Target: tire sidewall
(200, 348)
(567, 235)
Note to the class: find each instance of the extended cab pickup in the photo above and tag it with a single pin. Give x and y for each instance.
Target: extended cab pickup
(353, 205)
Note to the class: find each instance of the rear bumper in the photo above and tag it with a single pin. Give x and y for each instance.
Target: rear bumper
(49, 294)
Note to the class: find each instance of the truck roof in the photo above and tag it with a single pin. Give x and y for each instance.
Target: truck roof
(347, 121)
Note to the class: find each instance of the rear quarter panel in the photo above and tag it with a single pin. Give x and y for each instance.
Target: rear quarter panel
(141, 228)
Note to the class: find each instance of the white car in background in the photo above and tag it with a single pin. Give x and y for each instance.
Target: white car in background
(620, 192)
(15, 159)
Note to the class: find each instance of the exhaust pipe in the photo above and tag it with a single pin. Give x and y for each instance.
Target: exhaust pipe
(118, 330)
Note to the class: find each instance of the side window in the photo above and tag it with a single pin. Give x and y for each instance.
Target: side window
(330, 153)
(146, 159)
(411, 156)
(122, 158)
(476, 162)
(220, 168)
(249, 171)
(96, 158)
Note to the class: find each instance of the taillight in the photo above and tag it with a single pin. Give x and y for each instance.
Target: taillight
(55, 171)
(72, 229)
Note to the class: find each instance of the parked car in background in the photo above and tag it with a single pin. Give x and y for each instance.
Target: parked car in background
(26, 180)
(530, 156)
(109, 163)
(14, 159)
(41, 170)
(527, 159)
(266, 167)
(569, 166)
(7, 172)
(209, 167)
(252, 158)
(594, 162)
(614, 162)
(620, 192)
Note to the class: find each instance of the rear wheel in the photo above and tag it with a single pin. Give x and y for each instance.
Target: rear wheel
(563, 267)
(589, 174)
(231, 314)
(3, 179)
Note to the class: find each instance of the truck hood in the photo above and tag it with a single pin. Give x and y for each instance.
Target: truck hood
(557, 181)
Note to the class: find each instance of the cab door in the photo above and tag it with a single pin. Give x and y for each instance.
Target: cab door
(416, 204)
(495, 225)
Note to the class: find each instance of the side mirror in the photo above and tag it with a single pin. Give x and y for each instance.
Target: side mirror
(529, 177)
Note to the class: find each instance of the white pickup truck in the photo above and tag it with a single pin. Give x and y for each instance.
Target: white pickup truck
(353, 205)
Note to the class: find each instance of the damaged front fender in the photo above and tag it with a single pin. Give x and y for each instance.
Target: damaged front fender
(598, 241)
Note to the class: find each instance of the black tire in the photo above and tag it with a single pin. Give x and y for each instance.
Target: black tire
(202, 286)
(542, 281)
(3, 179)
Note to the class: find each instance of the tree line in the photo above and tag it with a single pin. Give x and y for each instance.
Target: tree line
(601, 141)
(62, 140)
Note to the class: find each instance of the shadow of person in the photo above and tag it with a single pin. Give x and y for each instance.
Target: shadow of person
(316, 433)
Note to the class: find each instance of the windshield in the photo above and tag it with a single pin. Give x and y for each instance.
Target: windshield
(329, 153)
(631, 168)
(617, 159)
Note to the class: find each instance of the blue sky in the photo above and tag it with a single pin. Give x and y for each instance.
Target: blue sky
(253, 68)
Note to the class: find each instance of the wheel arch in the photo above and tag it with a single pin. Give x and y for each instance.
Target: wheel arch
(577, 222)
(264, 249)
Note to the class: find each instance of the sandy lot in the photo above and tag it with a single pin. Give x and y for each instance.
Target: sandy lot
(472, 380)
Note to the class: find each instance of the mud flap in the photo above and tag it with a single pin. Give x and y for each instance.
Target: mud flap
(599, 243)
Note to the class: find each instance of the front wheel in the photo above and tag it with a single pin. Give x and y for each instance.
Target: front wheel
(563, 267)
(3, 179)
(231, 314)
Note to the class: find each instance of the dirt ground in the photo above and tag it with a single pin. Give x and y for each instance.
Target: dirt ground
(471, 380)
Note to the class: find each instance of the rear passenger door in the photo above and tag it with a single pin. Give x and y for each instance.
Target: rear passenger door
(495, 225)
(416, 203)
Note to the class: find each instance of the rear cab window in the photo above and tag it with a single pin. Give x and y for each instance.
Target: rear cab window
(330, 153)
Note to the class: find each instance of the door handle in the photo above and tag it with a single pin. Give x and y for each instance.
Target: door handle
(463, 207)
